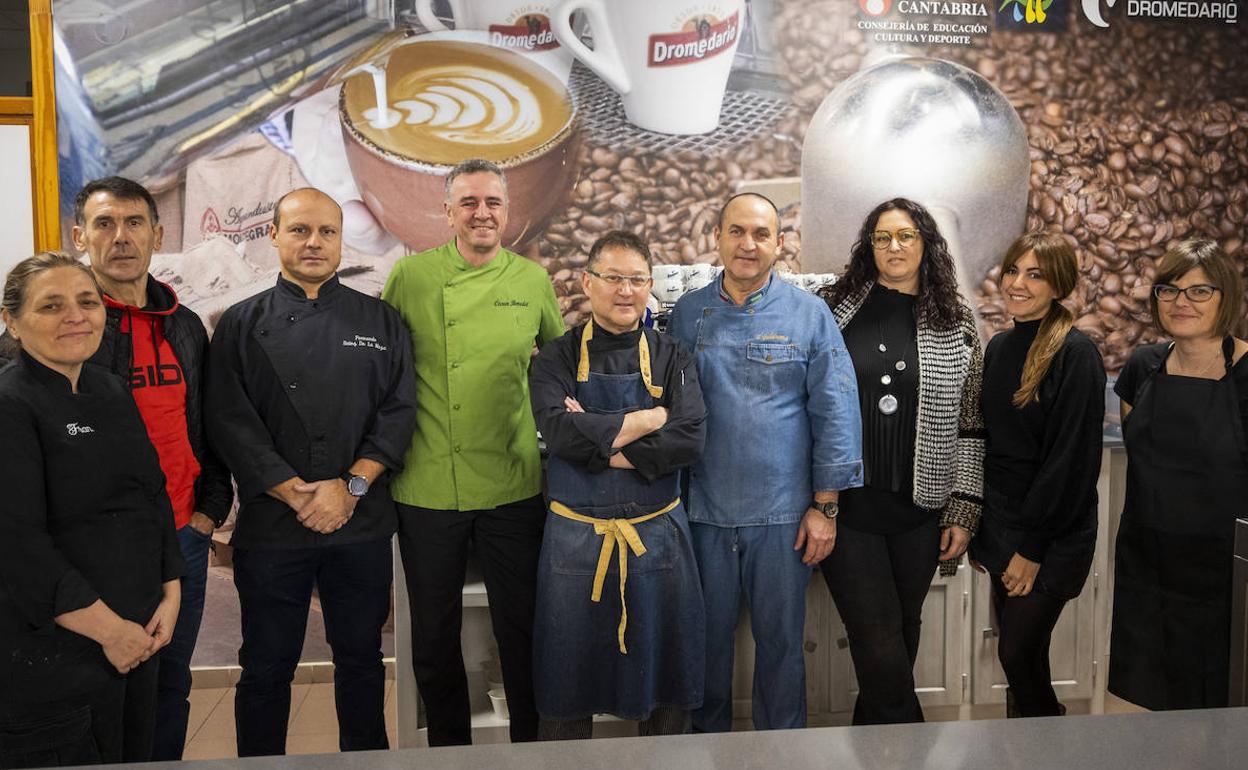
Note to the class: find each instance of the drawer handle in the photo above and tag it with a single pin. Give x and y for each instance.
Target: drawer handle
(989, 633)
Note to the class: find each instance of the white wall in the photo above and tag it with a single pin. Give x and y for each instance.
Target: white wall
(17, 218)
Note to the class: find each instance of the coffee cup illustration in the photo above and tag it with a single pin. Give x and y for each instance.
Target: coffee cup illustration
(519, 25)
(409, 116)
(669, 61)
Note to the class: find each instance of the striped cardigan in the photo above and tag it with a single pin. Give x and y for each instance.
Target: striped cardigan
(949, 440)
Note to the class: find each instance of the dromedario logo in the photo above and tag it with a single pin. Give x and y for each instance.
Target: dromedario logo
(875, 7)
(701, 37)
(1092, 10)
(530, 32)
(1224, 11)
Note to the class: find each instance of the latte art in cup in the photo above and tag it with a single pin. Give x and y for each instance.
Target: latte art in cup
(448, 101)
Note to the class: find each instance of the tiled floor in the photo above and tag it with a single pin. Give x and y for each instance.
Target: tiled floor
(313, 723)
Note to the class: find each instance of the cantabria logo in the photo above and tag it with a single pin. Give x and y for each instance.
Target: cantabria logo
(1196, 10)
(875, 7)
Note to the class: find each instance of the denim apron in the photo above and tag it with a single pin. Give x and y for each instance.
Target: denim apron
(620, 624)
(1187, 480)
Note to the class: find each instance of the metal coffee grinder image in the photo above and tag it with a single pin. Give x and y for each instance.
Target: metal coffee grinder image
(919, 128)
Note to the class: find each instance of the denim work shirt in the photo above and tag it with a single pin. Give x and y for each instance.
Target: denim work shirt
(781, 399)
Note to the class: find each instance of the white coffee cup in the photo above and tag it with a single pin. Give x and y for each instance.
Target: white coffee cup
(523, 26)
(669, 60)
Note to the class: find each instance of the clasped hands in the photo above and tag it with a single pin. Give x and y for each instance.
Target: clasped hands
(127, 644)
(323, 506)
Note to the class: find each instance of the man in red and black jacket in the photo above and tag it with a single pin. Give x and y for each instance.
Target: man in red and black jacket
(160, 349)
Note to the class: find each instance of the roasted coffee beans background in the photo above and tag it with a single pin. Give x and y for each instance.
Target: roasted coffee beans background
(1138, 138)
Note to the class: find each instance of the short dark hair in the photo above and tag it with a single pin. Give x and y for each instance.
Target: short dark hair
(277, 207)
(475, 166)
(1223, 272)
(119, 187)
(618, 239)
(760, 196)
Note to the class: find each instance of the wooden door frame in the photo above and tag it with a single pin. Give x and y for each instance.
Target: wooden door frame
(39, 113)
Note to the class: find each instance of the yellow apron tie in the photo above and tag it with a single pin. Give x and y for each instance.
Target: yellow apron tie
(643, 353)
(614, 532)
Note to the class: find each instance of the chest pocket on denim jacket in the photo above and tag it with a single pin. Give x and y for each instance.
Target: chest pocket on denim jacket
(772, 366)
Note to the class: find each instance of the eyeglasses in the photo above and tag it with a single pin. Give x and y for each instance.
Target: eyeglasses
(1201, 292)
(616, 281)
(882, 239)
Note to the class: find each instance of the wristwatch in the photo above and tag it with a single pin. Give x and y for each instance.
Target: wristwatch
(357, 486)
(829, 509)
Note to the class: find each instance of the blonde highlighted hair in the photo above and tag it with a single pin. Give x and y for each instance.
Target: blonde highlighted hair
(1060, 268)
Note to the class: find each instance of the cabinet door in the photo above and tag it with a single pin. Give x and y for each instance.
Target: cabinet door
(1070, 653)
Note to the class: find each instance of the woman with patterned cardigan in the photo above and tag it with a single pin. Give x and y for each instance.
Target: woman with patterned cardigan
(917, 356)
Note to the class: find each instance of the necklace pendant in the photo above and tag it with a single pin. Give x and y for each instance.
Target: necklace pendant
(886, 379)
(900, 366)
(888, 403)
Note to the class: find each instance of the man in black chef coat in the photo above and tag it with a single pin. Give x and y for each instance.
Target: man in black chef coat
(620, 624)
(311, 400)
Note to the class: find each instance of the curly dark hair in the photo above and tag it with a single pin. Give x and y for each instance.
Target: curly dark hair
(938, 305)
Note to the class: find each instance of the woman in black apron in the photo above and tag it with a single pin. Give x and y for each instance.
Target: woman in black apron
(1187, 481)
(1044, 405)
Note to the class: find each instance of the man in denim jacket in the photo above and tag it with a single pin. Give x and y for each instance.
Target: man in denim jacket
(783, 436)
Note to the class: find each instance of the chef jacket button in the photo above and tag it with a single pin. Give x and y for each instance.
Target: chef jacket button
(449, 284)
(750, 311)
(454, 364)
(455, 407)
(457, 447)
(450, 323)
(293, 386)
(291, 318)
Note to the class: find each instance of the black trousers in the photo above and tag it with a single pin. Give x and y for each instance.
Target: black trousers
(879, 583)
(274, 594)
(85, 730)
(1025, 628)
(434, 545)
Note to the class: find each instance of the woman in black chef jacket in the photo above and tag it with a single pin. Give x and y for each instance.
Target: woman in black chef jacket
(1044, 407)
(1183, 414)
(89, 586)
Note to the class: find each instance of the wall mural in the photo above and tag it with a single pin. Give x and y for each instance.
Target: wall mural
(1122, 124)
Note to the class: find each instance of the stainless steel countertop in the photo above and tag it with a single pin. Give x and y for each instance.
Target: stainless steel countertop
(1215, 738)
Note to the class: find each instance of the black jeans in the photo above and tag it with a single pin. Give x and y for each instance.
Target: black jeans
(174, 682)
(434, 545)
(1025, 627)
(879, 583)
(85, 730)
(274, 594)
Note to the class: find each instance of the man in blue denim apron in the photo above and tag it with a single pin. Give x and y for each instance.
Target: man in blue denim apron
(620, 623)
(783, 437)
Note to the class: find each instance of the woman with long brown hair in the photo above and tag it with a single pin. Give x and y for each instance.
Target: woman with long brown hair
(918, 361)
(1044, 406)
(1183, 414)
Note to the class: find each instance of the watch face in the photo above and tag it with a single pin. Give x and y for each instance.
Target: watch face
(357, 486)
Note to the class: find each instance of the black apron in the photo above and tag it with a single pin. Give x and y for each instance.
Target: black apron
(609, 534)
(1187, 481)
